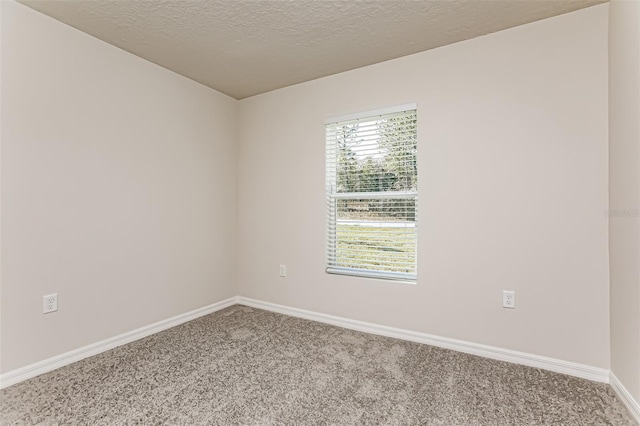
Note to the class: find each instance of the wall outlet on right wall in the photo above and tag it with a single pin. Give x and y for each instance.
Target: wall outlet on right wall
(509, 299)
(49, 303)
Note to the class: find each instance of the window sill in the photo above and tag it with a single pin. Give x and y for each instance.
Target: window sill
(385, 276)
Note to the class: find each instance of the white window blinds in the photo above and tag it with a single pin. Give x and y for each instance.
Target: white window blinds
(372, 194)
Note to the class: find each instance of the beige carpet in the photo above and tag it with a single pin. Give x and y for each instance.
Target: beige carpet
(244, 366)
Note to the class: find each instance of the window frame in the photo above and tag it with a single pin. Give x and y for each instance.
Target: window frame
(332, 196)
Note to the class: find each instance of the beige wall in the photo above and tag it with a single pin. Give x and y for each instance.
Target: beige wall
(513, 190)
(118, 190)
(624, 191)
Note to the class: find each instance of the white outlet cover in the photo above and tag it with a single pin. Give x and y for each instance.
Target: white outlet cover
(509, 299)
(49, 303)
(283, 271)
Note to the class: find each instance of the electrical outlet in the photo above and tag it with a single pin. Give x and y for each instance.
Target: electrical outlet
(283, 271)
(49, 303)
(509, 299)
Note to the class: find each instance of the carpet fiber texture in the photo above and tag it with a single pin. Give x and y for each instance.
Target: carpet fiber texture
(245, 366)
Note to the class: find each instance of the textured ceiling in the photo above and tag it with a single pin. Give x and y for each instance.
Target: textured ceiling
(243, 48)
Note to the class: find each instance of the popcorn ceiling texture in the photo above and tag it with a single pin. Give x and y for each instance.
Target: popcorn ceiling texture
(243, 48)
(242, 366)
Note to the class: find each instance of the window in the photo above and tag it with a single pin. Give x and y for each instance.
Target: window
(372, 194)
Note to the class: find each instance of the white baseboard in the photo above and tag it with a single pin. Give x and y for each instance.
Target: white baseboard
(551, 364)
(632, 405)
(41, 367)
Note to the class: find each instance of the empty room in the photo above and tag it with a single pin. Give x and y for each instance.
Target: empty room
(320, 212)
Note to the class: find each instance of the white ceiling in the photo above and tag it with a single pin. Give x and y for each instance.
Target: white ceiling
(246, 47)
